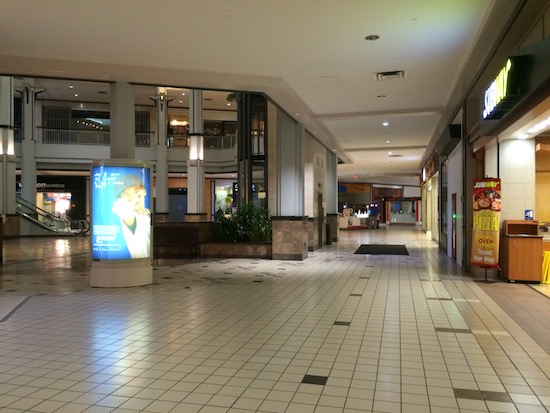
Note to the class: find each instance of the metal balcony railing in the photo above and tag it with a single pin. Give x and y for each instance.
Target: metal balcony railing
(143, 139)
(210, 142)
(87, 137)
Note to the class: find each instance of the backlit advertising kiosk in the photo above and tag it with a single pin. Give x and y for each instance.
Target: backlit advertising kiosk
(122, 230)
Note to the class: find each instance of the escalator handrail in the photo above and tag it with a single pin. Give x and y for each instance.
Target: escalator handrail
(82, 225)
(38, 210)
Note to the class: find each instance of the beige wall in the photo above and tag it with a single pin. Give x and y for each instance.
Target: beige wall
(542, 186)
(542, 209)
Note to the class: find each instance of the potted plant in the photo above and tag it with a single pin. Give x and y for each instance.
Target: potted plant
(244, 233)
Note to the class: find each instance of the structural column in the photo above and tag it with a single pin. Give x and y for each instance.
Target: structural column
(123, 121)
(195, 164)
(162, 207)
(7, 161)
(332, 196)
(122, 272)
(28, 143)
(290, 225)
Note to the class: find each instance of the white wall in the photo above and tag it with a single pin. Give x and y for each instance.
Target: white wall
(491, 160)
(517, 174)
(515, 166)
(455, 186)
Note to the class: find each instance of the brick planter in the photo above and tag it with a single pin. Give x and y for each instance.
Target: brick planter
(235, 250)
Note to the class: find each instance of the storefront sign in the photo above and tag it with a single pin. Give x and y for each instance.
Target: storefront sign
(507, 89)
(121, 212)
(47, 186)
(497, 90)
(486, 218)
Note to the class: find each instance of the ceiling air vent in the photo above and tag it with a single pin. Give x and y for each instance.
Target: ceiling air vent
(395, 156)
(395, 74)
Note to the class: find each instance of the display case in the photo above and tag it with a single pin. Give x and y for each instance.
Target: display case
(521, 251)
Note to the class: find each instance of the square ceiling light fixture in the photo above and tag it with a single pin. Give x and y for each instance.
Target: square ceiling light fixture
(394, 74)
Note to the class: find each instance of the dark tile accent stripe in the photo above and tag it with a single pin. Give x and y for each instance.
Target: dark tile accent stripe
(496, 396)
(492, 396)
(17, 307)
(356, 295)
(364, 278)
(453, 330)
(468, 394)
(342, 323)
(440, 298)
(258, 281)
(309, 379)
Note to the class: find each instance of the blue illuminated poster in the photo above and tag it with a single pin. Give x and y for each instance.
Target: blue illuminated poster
(121, 212)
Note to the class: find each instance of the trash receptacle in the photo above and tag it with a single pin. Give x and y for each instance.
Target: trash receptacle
(328, 235)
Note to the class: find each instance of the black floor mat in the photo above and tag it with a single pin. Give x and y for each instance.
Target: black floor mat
(382, 249)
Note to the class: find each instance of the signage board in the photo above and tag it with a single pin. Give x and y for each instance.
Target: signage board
(121, 211)
(486, 222)
(506, 89)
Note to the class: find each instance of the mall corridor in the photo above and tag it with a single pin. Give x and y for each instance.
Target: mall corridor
(337, 332)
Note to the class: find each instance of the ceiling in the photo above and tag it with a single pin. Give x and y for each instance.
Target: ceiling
(310, 56)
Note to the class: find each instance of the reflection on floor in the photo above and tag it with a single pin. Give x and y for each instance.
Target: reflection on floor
(338, 332)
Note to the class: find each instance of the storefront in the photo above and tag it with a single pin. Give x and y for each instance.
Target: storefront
(515, 135)
(64, 196)
(430, 198)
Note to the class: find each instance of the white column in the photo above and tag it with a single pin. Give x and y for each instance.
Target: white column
(332, 182)
(128, 272)
(291, 167)
(195, 164)
(28, 144)
(7, 149)
(123, 121)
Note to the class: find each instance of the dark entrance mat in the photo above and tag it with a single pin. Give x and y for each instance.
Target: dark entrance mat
(382, 249)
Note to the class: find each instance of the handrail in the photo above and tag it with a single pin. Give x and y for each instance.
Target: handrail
(49, 221)
(87, 137)
(33, 207)
(143, 139)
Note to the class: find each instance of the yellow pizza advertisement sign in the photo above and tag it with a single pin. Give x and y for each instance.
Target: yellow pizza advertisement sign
(486, 222)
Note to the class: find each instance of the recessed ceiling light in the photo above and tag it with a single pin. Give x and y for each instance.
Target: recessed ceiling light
(387, 141)
(372, 37)
(71, 86)
(385, 123)
(389, 153)
(76, 94)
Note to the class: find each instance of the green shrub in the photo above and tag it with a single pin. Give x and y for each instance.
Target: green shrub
(248, 224)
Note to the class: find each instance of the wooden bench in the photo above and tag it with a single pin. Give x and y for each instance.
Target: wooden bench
(175, 241)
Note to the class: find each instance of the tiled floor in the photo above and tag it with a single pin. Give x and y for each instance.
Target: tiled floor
(338, 332)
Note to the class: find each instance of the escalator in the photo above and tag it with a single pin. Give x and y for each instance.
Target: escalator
(41, 222)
